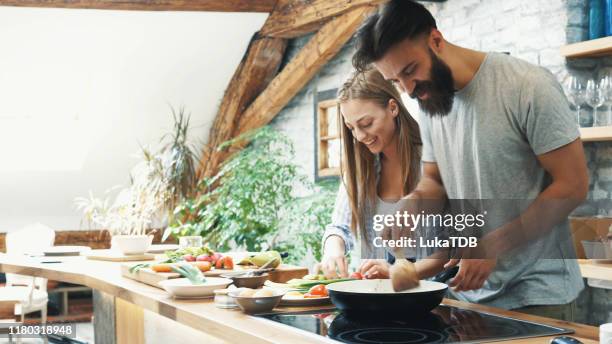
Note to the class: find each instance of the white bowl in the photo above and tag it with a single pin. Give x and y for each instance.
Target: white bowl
(182, 287)
(132, 244)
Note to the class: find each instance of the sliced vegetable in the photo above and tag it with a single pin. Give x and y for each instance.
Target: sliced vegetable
(311, 296)
(357, 275)
(319, 290)
(307, 284)
(163, 267)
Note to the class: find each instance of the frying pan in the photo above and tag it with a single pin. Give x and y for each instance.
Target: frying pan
(377, 295)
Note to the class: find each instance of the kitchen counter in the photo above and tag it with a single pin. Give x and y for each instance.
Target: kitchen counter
(600, 271)
(219, 325)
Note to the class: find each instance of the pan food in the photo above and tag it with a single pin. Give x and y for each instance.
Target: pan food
(377, 295)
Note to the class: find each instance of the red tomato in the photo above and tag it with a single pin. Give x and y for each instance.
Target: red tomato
(219, 264)
(311, 296)
(204, 258)
(228, 263)
(357, 275)
(189, 258)
(319, 290)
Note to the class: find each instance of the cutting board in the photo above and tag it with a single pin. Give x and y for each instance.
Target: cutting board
(114, 256)
(281, 274)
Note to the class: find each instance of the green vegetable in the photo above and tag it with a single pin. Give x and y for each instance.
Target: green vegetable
(137, 267)
(177, 256)
(304, 284)
(192, 273)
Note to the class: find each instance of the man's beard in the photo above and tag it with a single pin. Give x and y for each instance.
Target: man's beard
(440, 89)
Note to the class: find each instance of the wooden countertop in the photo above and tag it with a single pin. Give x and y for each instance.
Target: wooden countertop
(230, 325)
(590, 269)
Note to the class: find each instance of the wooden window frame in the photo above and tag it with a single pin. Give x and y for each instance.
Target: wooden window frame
(323, 101)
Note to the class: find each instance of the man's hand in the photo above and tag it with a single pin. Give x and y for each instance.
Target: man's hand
(472, 273)
(374, 268)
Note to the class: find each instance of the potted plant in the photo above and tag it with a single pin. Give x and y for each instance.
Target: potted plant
(158, 183)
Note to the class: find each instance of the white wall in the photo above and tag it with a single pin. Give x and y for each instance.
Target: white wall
(81, 89)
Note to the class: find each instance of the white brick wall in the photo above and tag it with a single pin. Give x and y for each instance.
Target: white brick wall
(529, 29)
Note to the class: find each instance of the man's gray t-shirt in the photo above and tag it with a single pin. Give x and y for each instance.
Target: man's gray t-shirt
(486, 148)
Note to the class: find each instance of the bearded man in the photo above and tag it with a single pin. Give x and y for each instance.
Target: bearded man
(495, 127)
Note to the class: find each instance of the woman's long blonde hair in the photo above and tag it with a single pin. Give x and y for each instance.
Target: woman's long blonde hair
(358, 164)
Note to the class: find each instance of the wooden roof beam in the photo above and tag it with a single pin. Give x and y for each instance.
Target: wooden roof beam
(257, 68)
(152, 5)
(321, 48)
(292, 18)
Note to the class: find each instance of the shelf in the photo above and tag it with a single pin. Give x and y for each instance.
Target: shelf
(592, 48)
(596, 134)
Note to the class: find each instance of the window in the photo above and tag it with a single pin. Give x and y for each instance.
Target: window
(327, 140)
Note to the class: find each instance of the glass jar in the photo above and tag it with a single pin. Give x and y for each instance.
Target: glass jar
(223, 300)
(190, 241)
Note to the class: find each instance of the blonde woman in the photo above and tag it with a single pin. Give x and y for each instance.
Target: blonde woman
(381, 163)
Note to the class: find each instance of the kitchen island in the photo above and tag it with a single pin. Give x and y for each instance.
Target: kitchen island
(131, 298)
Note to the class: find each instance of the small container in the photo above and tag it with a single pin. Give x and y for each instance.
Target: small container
(223, 300)
(190, 241)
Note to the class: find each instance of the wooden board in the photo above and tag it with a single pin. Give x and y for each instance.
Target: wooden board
(152, 5)
(592, 134)
(281, 274)
(114, 256)
(591, 48)
(321, 48)
(257, 68)
(292, 18)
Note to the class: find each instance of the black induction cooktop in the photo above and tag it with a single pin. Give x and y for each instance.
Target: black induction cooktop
(444, 324)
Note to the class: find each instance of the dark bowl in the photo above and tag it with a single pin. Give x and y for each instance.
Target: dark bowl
(253, 282)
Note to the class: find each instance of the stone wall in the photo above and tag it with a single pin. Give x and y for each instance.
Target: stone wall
(533, 30)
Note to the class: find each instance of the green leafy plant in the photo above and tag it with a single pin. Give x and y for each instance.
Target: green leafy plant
(254, 204)
(157, 184)
(251, 191)
(306, 219)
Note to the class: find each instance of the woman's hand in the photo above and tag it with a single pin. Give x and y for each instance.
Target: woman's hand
(333, 264)
(374, 268)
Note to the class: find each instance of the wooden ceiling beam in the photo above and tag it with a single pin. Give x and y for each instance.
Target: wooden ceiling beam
(257, 68)
(152, 5)
(292, 18)
(321, 48)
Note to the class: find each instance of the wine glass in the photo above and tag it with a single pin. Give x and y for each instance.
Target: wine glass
(576, 94)
(595, 98)
(606, 86)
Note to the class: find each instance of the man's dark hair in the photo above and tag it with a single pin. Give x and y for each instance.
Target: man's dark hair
(394, 22)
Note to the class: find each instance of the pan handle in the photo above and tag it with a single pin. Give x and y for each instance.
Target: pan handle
(445, 275)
